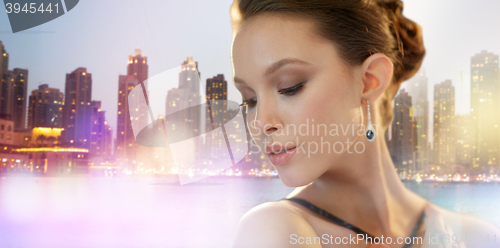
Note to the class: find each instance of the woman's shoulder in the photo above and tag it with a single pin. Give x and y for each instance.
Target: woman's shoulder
(272, 224)
(447, 223)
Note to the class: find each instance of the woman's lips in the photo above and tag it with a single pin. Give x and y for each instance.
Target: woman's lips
(282, 157)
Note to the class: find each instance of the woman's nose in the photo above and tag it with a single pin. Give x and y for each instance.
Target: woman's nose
(267, 118)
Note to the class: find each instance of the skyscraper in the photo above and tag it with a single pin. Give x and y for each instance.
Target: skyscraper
(444, 124)
(183, 110)
(402, 144)
(100, 140)
(417, 89)
(125, 147)
(45, 107)
(216, 96)
(5, 84)
(138, 66)
(77, 110)
(4, 61)
(216, 88)
(20, 98)
(6, 94)
(137, 72)
(463, 138)
(13, 93)
(185, 96)
(485, 109)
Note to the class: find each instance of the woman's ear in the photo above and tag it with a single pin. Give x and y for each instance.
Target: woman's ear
(376, 75)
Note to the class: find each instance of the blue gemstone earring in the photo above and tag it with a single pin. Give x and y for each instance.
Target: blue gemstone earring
(370, 132)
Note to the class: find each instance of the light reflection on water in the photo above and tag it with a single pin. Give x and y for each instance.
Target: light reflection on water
(480, 200)
(156, 212)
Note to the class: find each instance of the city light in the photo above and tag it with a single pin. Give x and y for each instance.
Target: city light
(51, 149)
(455, 156)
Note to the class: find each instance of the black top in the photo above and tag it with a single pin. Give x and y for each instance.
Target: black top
(347, 225)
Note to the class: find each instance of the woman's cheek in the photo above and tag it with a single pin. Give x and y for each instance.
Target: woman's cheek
(314, 105)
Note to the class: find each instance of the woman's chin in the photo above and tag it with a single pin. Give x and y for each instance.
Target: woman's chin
(294, 179)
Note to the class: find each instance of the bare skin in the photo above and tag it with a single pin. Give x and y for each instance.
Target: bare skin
(271, 52)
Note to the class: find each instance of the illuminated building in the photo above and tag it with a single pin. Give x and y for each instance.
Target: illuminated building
(5, 85)
(402, 137)
(37, 151)
(126, 148)
(45, 107)
(57, 160)
(76, 110)
(484, 110)
(254, 160)
(45, 136)
(444, 124)
(6, 132)
(100, 141)
(23, 138)
(13, 161)
(20, 97)
(138, 66)
(4, 82)
(185, 97)
(13, 96)
(463, 140)
(4, 60)
(417, 89)
(5, 95)
(216, 95)
(217, 91)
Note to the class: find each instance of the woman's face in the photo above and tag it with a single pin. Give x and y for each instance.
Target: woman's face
(298, 95)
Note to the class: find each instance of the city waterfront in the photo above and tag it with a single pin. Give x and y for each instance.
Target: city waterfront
(125, 124)
(158, 212)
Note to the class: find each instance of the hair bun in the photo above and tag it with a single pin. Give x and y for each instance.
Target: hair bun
(408, 34)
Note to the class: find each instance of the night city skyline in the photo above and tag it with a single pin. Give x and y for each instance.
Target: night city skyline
(412, 110)
(121, 124)
(449, 50)
(450, 37)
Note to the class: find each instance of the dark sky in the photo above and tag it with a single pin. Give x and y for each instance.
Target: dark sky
(100, 35)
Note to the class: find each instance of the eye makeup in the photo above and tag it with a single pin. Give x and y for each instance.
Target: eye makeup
(292, 90)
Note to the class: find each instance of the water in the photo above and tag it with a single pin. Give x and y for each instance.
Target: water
(480, 200)
(154, 212)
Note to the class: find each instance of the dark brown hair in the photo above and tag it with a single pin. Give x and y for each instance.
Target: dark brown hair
(358, 29)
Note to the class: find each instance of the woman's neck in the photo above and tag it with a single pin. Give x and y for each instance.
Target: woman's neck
(365, 190)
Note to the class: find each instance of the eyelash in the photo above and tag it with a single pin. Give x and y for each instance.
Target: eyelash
(286, 91)
(250, 102)
(291, 90)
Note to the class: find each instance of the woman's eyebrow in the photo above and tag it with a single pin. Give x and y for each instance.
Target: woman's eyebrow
(274, 67)
(277, 65)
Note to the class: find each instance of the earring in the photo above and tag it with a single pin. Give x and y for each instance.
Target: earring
(370, 132)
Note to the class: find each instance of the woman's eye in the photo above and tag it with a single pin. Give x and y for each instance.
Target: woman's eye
(250, 102)
(291, 90)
